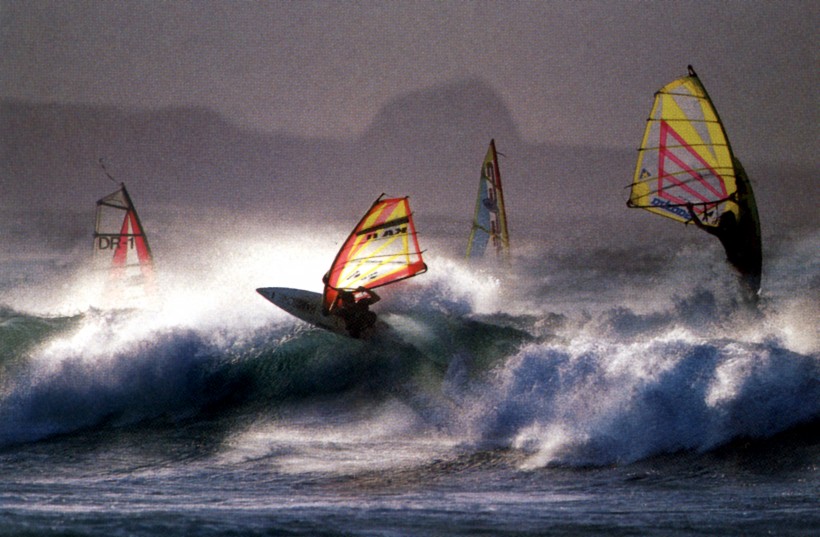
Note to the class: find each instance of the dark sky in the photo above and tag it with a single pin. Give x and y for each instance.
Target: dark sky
(571, 72)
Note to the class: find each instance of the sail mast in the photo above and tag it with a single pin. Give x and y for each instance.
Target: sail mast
(706, 96)
(144, 252)
(503, 248)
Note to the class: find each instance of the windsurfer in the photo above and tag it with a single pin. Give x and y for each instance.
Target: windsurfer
(354, 308)
(739, 237)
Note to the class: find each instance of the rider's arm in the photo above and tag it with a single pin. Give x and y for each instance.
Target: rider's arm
(371, 294)
(694, 218)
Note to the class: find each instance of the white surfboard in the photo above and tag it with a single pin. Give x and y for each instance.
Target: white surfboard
(306, 305)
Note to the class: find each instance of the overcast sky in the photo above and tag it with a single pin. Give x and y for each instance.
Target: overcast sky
(570, 71)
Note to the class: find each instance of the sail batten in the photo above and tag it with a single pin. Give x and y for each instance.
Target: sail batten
(683, 120)
(682, 146)
(395, 222)
(699, 172)
(490, 217)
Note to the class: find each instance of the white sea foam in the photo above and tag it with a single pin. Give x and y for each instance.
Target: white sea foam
(594, 358)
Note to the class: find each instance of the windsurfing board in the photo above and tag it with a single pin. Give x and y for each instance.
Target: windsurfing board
(307, 306)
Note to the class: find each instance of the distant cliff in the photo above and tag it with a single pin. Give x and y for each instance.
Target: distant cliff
(427, 144)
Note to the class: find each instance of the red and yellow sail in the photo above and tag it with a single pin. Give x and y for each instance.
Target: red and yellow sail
(383, 248)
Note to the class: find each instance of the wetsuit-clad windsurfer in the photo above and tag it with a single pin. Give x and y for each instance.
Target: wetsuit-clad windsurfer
(354, 308)
(740, 237)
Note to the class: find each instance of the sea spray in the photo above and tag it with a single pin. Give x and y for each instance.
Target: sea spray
(598, 401)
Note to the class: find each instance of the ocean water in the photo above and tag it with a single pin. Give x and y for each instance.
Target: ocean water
(594, 388)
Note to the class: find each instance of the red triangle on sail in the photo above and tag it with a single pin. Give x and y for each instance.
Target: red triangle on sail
(669, 157)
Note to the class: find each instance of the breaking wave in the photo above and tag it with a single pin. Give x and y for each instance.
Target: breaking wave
(550, 363)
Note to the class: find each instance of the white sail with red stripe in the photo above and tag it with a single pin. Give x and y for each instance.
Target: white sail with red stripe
(120, 243)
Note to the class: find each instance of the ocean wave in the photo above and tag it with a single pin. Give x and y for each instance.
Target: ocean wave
(670, 386)
(560, 360)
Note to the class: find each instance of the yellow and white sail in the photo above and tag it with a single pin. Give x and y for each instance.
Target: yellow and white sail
(686, 171)
(685, 157)
(490, 218)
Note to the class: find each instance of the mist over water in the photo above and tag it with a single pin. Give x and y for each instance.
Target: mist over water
(555, 388)
(601, 355)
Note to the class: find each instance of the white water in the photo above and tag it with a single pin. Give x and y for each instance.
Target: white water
(576, 357)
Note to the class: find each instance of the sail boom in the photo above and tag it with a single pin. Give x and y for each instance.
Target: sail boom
(634, 205)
